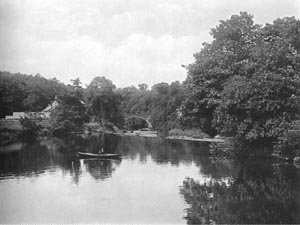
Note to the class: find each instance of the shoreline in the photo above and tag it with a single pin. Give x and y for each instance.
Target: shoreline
(186, 138)
(141, 133)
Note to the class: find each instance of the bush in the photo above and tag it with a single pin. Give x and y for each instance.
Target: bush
(68, 116)
(193, 133)
(31, 124)
(289, 143)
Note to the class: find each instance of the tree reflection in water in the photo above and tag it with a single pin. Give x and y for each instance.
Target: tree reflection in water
(162, 151)
(257, 195)
(31, 159)
(99, 169)
(238, 192)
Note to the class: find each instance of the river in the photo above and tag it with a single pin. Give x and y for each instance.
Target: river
(156, 182)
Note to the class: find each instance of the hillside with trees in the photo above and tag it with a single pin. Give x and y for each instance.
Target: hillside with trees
(21, 92)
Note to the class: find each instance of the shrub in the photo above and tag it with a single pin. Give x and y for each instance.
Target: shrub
(31, 124)
(193, 133)
(289, 143)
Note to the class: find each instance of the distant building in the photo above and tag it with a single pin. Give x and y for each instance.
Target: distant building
(45, 113)
(15, 116)
(49, 109)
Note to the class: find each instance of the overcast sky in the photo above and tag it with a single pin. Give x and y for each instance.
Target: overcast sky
(128, 41)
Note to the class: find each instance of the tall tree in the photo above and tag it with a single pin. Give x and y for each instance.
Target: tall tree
(262, 104)
(225, 57)
(69, 115)
(246, 82)
(103, 102)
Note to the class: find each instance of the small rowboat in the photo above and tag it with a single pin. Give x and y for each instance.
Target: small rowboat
(101, 155)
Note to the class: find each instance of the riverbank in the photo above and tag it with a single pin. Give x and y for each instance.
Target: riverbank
(11, 131)
(141, 133)
(148, 133)
(195, 139)
(191, 135)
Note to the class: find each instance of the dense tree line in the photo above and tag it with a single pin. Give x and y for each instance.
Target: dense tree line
(244, 84)
(27, 93)
(21, 92)
(161, 103)
(98, 103)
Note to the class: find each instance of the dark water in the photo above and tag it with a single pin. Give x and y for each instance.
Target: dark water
(156, 181)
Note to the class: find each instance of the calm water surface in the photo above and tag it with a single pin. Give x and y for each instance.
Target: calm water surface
(156, 181)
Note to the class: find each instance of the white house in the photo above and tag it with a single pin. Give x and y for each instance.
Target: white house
(45, 113)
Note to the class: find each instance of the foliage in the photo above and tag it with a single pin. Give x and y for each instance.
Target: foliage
(103, 102)
(135, 123)
(31, 124)
(20, 92)
(161, 103)
(193, 133)
(289, 143)
(258, 108)
(226, 56)
(130, 96)
(143, 87)
(69, 115)
(246, 82)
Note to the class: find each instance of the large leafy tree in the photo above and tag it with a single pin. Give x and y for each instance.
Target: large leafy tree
(246, 82)
(69, 115)
(70, 112)
(103, 102)
(225, 57)
(261, 105)
(165, 100)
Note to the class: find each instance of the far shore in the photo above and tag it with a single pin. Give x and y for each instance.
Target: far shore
(140, 133)
(185, 138)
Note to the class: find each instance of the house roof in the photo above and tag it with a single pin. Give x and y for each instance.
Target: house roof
(51, 106)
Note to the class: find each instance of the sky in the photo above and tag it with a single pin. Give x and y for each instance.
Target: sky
(128, 41)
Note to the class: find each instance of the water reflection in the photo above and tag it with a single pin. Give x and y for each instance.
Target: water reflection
(162, 151)
(259, 192)
(146, 181)
(40, 180)
(32, 159)
(29, 159)
(99, 169)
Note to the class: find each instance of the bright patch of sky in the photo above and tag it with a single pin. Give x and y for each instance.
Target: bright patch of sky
(127, 41)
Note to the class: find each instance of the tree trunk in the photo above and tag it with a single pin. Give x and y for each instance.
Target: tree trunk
(102, 114)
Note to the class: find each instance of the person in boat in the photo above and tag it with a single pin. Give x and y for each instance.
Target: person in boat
(101, 151)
